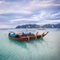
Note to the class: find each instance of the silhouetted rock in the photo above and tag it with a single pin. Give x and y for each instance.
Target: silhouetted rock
(28, 26)
(38, 26)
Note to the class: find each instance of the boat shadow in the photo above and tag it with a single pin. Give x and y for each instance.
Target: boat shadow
(23, 44)
(36, 40)
(19, 43)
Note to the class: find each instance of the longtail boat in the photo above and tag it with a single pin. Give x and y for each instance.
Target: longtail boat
(27, 37)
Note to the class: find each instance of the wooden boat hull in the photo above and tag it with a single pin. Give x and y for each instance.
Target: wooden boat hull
(27, 38)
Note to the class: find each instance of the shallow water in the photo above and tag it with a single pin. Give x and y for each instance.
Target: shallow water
(42, 49)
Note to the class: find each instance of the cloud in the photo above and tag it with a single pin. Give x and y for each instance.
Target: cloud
(29, 11)
(5, 26)
(49, 22)
(42, 18)
(55, 14)
(26, 8)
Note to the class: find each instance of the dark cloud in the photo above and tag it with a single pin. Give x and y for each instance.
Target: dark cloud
(57, 1)
(16, 0)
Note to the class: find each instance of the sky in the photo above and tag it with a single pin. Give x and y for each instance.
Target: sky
(19, 12)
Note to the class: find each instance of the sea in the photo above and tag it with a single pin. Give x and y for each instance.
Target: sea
(47, 48)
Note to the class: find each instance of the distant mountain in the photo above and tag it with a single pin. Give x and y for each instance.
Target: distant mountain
(28, 26)
(51, 25)
(38, 26)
